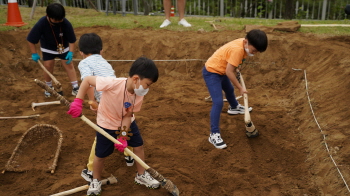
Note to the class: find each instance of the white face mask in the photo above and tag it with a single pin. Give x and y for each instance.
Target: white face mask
(140, 91)
(247, 51)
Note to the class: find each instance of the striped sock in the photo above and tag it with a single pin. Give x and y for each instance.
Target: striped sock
(49, 84)
(75, 84)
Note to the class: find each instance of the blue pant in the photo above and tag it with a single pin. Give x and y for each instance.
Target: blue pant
(217, 83)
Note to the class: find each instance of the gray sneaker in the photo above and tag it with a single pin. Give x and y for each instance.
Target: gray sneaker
(238, 110)
(147, 180)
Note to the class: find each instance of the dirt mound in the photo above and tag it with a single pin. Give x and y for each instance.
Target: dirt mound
(289, 158)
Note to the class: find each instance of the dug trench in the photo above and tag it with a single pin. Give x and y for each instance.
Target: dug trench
(288, 158)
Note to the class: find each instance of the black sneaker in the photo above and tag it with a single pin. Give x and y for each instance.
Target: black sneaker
(215, 139)
(75, 91)
(87, 175)
(129, 160)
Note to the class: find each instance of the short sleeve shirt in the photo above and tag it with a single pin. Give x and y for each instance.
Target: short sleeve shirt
(111, 108)
(50, 37)
(95, 65)
(232, 52)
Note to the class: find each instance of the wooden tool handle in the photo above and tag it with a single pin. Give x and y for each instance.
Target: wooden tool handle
(247, 119)
(58, 84)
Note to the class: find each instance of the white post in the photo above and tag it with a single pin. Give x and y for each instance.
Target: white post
(99, 5)
(274, 7)
(245, 8)
(324, 9)
(199, 7)
(307, 11)
(222, 8)
(270, 11)
(313, 10)
(256, 10)
(280, 10)
(33, 9)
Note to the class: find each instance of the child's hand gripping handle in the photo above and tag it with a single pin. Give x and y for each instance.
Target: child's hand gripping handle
(122, 146)
(76, 108)
(93, 105)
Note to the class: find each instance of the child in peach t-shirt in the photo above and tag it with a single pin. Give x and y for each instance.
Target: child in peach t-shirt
(121, 97)
(219, 74)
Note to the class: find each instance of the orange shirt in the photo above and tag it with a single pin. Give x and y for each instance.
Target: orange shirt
(232, 52)
(111, 108)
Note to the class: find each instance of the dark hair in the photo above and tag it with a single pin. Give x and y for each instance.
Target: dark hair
(90, 43)
(258, 39)
(144, 68)
(347, 9)
(55, 11)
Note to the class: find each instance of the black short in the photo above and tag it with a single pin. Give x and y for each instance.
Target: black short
(105, 147)
(48, 56)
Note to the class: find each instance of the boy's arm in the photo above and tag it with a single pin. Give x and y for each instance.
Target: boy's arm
(76, 107)
(71, 47)
(32, 47)
(85, 86)
(231, 74)
(127, 120)
(90, 94)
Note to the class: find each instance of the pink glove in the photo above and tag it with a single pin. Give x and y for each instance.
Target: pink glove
(76, 108)
(121, 147)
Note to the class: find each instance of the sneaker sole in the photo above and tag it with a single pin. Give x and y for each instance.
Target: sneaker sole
(141, 183)
(234, 113)
(86, 178)
(218, 147)
(93, 194)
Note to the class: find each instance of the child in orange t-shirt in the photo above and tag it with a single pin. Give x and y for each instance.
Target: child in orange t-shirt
(220, 72)
(121, 97)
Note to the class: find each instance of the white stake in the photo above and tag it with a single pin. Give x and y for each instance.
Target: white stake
(44, 103)
(110, 180)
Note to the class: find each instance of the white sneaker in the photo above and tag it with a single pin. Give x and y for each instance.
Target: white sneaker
(215, 139)
(184, 23)
(238, 110)
(147, 180)
(165, 23)
(94, 188)
(87, 175)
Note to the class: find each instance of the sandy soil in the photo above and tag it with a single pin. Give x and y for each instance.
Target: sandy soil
(289, 158)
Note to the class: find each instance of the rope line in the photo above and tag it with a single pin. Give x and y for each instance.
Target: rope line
(152, 60)
(324, 136)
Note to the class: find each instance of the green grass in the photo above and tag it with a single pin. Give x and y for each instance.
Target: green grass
(89, 17)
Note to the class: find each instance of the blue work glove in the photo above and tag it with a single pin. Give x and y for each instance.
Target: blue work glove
(35, 57)
(69, 57)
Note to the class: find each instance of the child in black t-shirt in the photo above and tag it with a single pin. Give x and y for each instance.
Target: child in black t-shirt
(57, 38)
